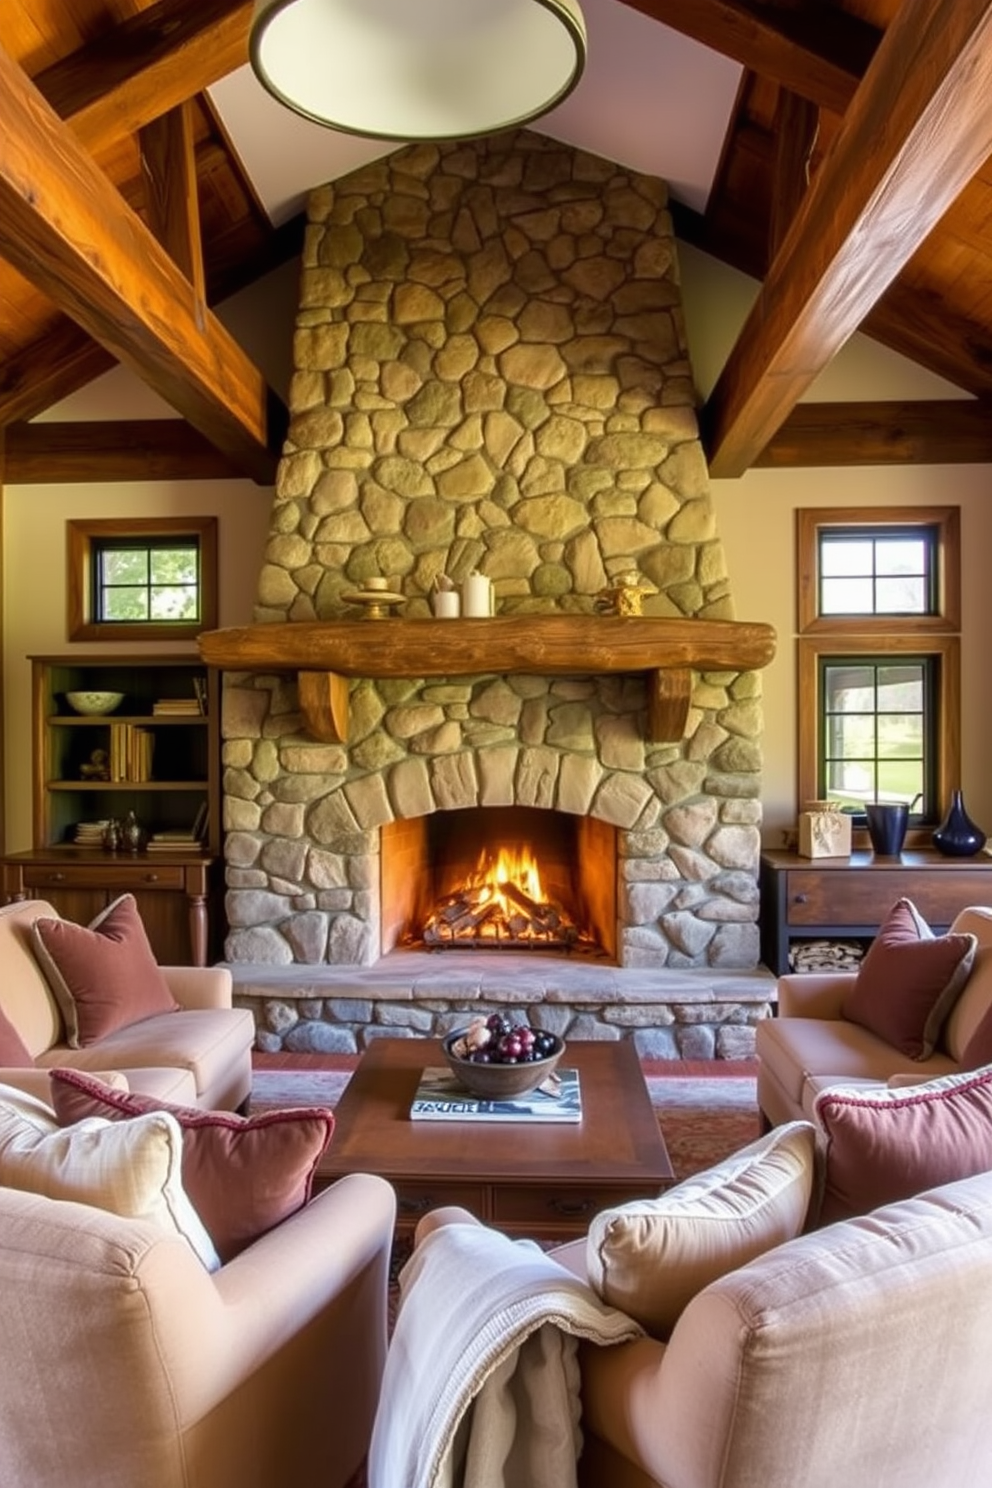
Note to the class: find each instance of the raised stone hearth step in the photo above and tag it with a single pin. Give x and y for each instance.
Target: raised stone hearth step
(670, 1014)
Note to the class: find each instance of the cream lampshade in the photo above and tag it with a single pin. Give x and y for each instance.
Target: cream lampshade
(418, 69)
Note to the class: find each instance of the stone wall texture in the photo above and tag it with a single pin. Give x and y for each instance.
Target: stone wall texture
(492, 375)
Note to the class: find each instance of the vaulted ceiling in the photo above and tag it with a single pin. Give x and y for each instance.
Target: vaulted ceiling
(840, 154)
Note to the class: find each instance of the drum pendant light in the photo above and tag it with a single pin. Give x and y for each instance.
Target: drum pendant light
(418, 69)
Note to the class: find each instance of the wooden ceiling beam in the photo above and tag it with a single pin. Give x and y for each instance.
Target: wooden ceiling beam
(145, 66)
(924, 329)
(107, 90)
(60, 362)
(946, 431)
(820, 55)
(797, 121)
(65, 358)
(918, 129)
(168, 166)
(99, 451)
(919, 328)
(65, 228)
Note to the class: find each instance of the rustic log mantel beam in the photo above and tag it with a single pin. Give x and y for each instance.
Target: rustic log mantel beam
(542, 645)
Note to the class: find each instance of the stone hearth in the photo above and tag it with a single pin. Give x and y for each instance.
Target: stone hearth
(671, 1015)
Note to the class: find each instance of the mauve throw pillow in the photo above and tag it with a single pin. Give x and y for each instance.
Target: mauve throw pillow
(909, 981)
(243, 1174)
(104, 975)
(882, 1145)
(14, 1052)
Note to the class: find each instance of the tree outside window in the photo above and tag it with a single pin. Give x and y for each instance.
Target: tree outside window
(146, 580)
(142, 578)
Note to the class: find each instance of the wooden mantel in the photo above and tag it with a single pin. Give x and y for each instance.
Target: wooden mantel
(327, 652)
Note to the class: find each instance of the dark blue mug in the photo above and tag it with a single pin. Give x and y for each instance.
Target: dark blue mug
(887, 822)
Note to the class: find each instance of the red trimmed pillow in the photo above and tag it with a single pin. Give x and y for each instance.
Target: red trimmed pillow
(243, 1174)
(14, 1052)
(909, 981)
(104, 975)
(883, 1145)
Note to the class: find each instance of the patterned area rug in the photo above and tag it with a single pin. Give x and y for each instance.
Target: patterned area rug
(703, 1117)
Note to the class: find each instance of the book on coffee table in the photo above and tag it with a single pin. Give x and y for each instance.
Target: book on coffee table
(439, 1097)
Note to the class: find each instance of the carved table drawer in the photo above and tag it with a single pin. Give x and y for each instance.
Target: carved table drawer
(416, 1199)
(557, 1207)
(111, 876)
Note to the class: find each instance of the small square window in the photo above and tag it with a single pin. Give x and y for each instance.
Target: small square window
(142, 578)
(154, 580)
(878, 568)
(878, 573)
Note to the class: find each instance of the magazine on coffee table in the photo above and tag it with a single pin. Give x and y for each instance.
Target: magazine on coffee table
(440, 1097)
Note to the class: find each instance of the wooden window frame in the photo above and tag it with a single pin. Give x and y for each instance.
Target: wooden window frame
(936, 636)
(947, 522)
(82, 536)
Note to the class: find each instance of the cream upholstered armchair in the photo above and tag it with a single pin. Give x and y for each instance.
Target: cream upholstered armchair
(127, 1364)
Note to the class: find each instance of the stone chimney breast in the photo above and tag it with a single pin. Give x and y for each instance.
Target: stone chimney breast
(492, 376)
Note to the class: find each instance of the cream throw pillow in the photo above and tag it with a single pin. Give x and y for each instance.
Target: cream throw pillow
(131, 1168)
(650, 1257)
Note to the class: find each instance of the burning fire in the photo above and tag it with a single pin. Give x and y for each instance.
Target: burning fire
(513, 868)
(503, 902)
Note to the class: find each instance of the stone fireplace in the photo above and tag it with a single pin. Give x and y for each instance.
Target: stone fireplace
(491, 375)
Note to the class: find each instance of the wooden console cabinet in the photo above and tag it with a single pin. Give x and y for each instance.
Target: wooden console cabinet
(178, 780)
(848, 898)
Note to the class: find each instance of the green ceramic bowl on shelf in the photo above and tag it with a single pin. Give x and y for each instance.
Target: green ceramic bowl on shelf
(94, 703)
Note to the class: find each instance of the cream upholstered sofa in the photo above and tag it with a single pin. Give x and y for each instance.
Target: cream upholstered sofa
(129, 1365)
(809, 1046)
(854, 1353)
(200, 1055)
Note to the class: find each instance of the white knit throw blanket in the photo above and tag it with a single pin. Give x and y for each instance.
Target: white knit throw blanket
(481, 1387)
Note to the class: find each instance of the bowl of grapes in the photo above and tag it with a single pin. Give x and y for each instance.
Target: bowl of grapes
(497, 1058)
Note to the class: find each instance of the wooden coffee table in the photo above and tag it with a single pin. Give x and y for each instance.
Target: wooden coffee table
(544, 1181)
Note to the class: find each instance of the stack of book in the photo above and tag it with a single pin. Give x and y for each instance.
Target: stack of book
(183, 707)
(176, 708)
(90, 834)
(131, 749)
(180, 839)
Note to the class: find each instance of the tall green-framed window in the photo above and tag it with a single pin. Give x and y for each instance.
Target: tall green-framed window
(879, 658)
(878, 724)
(141, 578)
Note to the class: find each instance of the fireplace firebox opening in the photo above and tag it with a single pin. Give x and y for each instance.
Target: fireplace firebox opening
(500, 878)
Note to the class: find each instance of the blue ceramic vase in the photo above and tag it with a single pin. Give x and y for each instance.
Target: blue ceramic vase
(957, 836)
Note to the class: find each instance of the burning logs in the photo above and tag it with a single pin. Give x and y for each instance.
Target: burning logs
(503, 914)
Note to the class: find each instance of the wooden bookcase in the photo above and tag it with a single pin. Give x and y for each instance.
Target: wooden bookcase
(175, 777)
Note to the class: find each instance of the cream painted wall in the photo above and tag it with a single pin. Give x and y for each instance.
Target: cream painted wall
(756, 521)
(35, 588)
(755, 518)
(34, 518)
